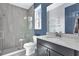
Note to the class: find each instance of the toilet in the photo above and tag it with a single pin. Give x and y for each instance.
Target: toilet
(31, 46)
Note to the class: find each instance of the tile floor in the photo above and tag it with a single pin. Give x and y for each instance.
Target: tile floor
(23, 54)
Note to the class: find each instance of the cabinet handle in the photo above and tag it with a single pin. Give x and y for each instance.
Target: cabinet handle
(48, 52)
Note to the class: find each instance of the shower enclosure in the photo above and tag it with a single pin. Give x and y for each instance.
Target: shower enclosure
(14, 26)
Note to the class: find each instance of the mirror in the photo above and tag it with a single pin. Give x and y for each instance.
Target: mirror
(76, 27)
(38, 17)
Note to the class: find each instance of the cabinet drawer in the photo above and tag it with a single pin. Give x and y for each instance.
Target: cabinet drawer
(53, 53)
(60, 49)
(63, 50)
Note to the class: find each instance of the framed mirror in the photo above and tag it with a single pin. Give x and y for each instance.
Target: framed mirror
(76, 27)
(38, 17)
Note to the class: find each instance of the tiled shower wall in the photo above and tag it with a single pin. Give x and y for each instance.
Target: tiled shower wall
(13, 26)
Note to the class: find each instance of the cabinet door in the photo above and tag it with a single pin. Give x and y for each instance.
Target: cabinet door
(42, 51)
(76, 53)
(53, 53)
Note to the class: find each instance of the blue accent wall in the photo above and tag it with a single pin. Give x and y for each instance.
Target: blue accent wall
(71, 13)
(43, 19)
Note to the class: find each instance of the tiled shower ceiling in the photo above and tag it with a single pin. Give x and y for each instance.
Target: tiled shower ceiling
(23, 5)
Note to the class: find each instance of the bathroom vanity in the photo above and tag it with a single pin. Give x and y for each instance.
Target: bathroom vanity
(49, 46)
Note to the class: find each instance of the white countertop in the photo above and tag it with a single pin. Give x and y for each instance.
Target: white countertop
(66, 42)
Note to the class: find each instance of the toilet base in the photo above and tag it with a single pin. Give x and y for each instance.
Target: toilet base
(29, 54)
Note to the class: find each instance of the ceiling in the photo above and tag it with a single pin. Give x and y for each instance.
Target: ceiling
(23, 5)
(54, 5)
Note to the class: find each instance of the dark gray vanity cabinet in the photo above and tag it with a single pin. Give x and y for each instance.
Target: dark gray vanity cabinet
(45, 48)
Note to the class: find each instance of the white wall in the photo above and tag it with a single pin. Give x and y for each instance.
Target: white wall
(56, 17)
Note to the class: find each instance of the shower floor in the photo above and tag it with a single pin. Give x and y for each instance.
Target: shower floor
(15, 52)
(6, 51)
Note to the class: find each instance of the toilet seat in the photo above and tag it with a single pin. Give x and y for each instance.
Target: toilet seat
(28, 44)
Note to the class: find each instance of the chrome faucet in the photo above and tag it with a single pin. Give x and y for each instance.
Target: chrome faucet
(58, 34)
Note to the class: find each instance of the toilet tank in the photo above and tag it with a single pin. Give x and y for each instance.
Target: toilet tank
(35, 39)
